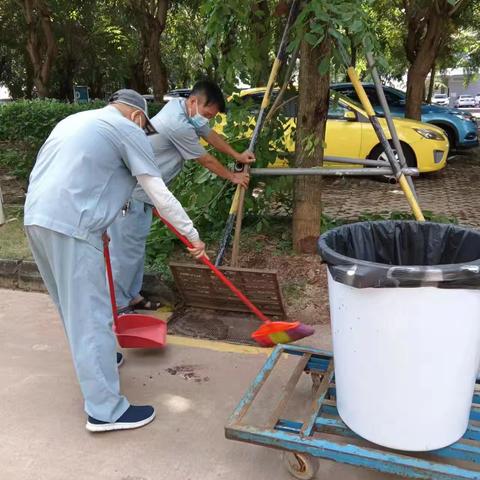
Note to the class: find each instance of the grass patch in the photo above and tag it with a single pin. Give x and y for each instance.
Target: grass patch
(429, 217)
(294, 291)
(13, 243)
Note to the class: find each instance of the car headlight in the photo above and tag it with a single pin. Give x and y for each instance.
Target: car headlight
(430, 134)
(462, 116)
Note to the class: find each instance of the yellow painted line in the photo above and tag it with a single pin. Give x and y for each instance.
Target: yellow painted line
(162, 315)
(216, 346)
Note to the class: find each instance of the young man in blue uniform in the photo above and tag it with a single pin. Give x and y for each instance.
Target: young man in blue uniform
(84, 173)
(179, 125)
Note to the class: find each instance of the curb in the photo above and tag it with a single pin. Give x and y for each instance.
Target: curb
(24, 275)
(20, 274)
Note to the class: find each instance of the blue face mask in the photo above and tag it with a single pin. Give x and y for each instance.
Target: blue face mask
(197, 120)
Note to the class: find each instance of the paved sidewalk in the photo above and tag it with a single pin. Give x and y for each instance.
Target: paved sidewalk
(452, 192)
(194, 385)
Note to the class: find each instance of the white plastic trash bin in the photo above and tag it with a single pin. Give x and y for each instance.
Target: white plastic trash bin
(405, 314)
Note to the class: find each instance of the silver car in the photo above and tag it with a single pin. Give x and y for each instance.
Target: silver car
(441, 99)
(465, 101)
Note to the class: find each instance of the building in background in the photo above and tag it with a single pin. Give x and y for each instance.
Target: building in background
(456, 82)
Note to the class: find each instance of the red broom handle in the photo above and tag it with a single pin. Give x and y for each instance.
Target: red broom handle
(216, 271)
(111, 286)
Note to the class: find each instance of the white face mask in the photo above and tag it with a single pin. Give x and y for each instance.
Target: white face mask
(197, 120)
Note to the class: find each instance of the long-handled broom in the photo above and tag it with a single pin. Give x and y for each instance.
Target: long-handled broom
(270, 333)
(235, 215)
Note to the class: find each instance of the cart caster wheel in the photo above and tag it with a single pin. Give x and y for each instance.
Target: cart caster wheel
(301, 465)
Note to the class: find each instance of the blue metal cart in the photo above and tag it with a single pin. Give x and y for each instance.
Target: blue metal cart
(322, 434)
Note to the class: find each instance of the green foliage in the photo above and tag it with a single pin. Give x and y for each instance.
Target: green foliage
(154, 108)
(100, 46)
(13, 65)
(344, 22)
(17, 158)
(97, 46)
(34, 120)
(24, 127)
(242, 38)
(207, 198)
(275, 229)
(184, 44)
(459, 47)
(26, 124)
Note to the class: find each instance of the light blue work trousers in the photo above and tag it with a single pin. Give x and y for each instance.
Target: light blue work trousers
(128, 234)
(74, 274)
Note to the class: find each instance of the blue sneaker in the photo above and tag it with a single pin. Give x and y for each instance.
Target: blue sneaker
(119, 359)
(136, 416)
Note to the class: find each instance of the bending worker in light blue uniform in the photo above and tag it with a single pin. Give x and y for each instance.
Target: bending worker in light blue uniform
(180, 124)
(84, 173)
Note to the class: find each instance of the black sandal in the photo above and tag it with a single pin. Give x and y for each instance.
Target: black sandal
(146, 304)
(127, 309)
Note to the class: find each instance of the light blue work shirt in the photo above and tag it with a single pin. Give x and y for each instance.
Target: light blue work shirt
(85, 172)
(177, 141)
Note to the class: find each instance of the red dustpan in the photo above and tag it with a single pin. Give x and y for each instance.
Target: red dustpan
(133, 330)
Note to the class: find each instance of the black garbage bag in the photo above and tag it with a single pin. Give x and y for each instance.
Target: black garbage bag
(402, 254)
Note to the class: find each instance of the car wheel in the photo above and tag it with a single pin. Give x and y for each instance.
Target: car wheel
(451, 137)
(378, 153)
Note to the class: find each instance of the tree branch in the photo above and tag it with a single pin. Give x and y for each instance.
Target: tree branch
(455, 8)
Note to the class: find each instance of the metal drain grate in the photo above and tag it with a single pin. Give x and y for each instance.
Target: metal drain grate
(199, 288)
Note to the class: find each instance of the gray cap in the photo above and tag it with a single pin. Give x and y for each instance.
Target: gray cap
(135, 100)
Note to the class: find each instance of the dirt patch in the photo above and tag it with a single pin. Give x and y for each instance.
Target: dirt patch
(13, 189)
(187, 372)
(303, 280)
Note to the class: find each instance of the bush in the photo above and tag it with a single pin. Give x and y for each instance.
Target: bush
(32, 121)
(17, 158)
(26, 124)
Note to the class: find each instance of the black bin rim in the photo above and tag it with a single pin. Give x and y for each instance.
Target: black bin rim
(362, 273)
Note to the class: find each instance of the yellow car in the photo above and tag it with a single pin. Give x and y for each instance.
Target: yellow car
(350, 134)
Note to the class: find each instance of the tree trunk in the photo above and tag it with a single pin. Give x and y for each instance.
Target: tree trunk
(96, 84)
(261, 35)
(426, 31)
(431, 85)
(65, 88)
(29, 76)
(137, 79)
(151, 16)
(41, 45)
(311, 122)
(223, 75)
(158, 71)
(417, 74)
